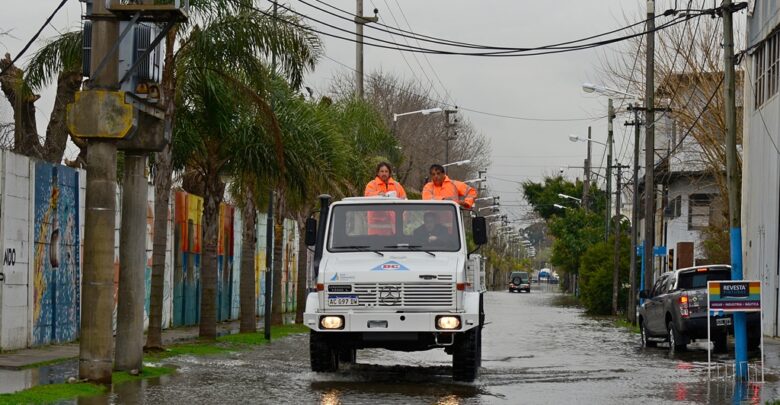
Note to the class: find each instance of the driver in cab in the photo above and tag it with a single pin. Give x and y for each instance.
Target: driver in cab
(430, 232)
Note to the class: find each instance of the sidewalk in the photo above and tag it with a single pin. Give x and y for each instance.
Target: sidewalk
(23, 358)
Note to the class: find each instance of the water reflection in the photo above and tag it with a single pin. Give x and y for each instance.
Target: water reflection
(331, 397)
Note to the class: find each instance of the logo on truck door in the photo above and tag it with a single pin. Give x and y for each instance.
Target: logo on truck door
(391, 265)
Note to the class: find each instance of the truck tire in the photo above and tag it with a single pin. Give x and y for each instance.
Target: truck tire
(675, 339)
(464, 358)
(720, 343)
(347, 356)
(323, 357)
(643, 335)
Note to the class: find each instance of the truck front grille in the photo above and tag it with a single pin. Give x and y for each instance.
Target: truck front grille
(413, 294)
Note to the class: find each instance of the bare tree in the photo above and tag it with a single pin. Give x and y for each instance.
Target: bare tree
(423, 139)
(689, 75)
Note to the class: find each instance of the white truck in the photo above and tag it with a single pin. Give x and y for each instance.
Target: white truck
(394, 274)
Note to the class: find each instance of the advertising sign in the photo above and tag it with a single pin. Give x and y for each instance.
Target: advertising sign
(734, 296)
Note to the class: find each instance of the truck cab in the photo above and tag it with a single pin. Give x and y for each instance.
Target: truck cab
(394, 274)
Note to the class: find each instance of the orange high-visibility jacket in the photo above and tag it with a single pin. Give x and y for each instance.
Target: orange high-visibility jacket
(377, 187)
(450, 190)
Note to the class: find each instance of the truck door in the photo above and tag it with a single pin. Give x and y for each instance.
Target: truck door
(654, 308)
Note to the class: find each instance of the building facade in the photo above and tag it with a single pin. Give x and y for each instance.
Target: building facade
(761, 156)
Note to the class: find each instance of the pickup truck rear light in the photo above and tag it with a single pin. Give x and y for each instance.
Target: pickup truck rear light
(684, 312)
(461, 286)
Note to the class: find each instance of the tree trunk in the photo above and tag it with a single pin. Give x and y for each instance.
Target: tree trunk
(57, 131)
(23, 103)
(212, 197)
(278, 263)
(303, 264)
(162, 194)
(248, 244)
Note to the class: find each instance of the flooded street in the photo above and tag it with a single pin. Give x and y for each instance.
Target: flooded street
(533, 352)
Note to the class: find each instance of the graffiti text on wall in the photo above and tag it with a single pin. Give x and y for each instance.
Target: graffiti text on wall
(9, 259)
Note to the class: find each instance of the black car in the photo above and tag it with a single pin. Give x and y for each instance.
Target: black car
(519, 281)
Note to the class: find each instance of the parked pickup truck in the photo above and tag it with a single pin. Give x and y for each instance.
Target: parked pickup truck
(675, 310)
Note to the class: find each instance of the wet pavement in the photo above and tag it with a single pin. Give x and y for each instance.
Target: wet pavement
(533, 352)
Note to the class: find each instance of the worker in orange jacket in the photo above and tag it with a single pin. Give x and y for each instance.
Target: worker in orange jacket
(383, 184)
(383, 222)
(441, 187)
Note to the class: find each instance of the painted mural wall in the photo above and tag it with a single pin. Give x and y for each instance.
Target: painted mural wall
(56, 254)
(16, 249)
(41, 228)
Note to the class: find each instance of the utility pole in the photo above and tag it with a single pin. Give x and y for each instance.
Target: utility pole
(634, 218)
(649, 146)
(734, 184)
(96, 340)
(586, 186)
(132, 262)
(616, 255)
(447, 128)
(360, 20)
(610, 142)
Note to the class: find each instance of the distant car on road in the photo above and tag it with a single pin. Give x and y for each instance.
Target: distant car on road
(519, 281)
(675, 310)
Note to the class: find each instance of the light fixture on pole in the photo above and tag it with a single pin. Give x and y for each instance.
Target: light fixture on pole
(474, 181)
(561, 207)
(496, 206)
(569, 197)
(458, 163)
(576, 138)
(427, 111)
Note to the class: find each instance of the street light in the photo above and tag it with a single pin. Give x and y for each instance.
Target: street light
(474, 181)
(561, 207)
(576, 138)
(486, 198)
(569, 197)
(598, 88)
(488, 207)
(498, 214)
(458, 163)
(426, 111)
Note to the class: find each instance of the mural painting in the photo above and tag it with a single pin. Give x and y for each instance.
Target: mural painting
(224, 261)
(56, 293)
(188, 213)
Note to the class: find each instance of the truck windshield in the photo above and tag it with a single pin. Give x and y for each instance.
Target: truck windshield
(394, 227)
(698, 279)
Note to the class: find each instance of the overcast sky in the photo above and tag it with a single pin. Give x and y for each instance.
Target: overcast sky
(542, 87)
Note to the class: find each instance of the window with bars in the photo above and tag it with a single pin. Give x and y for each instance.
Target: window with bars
(766, 69)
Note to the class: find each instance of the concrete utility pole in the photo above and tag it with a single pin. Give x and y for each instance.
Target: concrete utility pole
(447, 128)
(586, 186)
(734, 185)
(649, 147)
(610, 143)
(634, 217)
(132, 262)
(269, 228)
(97, 283)
(360, 20)
(616, 257)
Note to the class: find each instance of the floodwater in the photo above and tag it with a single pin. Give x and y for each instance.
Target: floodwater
(533, 353)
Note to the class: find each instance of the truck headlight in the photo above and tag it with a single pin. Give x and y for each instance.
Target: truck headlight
(448, 322)
(332, 322)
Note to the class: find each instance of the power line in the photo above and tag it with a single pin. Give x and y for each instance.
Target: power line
(27, 46)
(433, 70)
(448, 42)
(536, 51)
(513, 117)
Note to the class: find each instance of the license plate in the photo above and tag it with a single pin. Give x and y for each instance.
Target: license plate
(723, 321)
(334, 300)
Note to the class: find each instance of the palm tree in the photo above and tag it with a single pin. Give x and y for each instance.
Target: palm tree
(223, 116)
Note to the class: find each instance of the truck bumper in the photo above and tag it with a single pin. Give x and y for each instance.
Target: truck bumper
(390, 321)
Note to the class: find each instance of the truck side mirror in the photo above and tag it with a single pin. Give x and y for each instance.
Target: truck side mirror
(643, 294)
(311, 232)
(479, 230)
